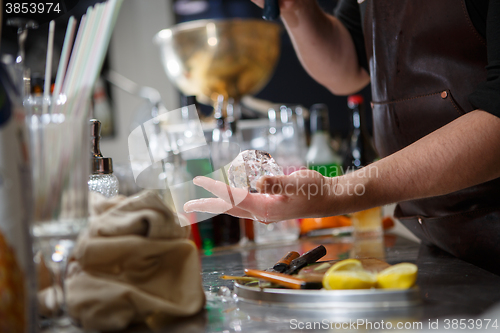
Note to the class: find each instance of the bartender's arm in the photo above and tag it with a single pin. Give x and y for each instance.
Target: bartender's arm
(323, 45)
(460, 154)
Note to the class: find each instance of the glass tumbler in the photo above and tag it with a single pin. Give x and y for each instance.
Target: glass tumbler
(60, 151)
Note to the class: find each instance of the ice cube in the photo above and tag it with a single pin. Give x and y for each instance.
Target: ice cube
(249, 166)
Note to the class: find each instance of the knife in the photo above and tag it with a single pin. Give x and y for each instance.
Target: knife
(284, 263)
(306, 259)
(284, 280)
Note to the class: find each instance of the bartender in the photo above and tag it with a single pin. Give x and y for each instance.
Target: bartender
(434, 68)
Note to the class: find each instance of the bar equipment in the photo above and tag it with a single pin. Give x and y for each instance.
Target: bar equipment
(220, 61)
(367, 223)
(360, 152)
(320, 156)
(101, 180)
(59, 150)
(208, 58)
(17, 277)
(271, 10)
(24, 79)
(287, 137)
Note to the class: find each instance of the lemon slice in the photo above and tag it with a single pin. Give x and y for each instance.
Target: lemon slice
(400, 276)
(348, 274)
(349, 280)
(346, 265)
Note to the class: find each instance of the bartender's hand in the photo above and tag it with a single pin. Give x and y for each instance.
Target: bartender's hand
(303, 193)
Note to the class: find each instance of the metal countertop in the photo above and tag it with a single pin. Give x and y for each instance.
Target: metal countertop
(449, 287)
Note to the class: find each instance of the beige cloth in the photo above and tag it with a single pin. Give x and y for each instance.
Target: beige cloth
(133, 263)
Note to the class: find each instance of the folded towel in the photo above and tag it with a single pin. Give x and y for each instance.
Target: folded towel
(133, 263)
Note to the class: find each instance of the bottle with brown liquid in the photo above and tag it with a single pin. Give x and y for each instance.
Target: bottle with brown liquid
(359, 154)
(226, 228)
(360, 150)
(18, 301)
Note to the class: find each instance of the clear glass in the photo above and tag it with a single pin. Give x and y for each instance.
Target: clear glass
(106, 184)
(367, 223)
(282, 231)
(286, 143)
(59, 145)
(368, 247)
(286, 137)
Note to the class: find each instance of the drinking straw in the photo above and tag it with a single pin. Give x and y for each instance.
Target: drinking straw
(88, 55)
(101, 44)
(48, 67)
(63, 60)
(82, 88)
(75, 70)
(76, 47)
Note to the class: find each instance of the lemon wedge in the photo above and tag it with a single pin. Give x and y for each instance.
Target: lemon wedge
(399, 276)
(348, 274)
(346, 265)
(349, 280)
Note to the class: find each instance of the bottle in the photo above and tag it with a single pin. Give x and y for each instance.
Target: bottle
(360, 151)
(101, 180)
(198, 164)
(197, 159)
(102, 108)
(18, 312)
(320, 156)
(226, 228)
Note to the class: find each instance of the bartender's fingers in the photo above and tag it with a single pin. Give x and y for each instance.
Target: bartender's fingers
(215, 206)
(290, 185)
(255, 204)
(229, 194)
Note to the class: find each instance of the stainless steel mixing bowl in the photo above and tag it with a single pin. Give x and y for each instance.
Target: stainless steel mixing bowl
(208, 58)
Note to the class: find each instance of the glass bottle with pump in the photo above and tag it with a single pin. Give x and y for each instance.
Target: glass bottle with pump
(101, 179)
(320, 156)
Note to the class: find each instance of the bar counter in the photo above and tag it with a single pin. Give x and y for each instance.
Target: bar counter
(449, 287)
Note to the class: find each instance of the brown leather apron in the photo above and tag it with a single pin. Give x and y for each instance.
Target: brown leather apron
(425, 58)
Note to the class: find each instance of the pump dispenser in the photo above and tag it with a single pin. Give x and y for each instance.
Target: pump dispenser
(102, 179)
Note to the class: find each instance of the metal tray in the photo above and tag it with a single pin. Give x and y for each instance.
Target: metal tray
(361, 299)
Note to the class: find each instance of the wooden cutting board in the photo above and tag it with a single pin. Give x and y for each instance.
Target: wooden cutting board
(315, 272)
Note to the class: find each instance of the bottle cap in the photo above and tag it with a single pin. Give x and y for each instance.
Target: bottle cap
(319, 118)
(355, 99)
(99, 164)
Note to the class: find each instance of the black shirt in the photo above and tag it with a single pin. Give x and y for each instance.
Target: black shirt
(485, 16)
